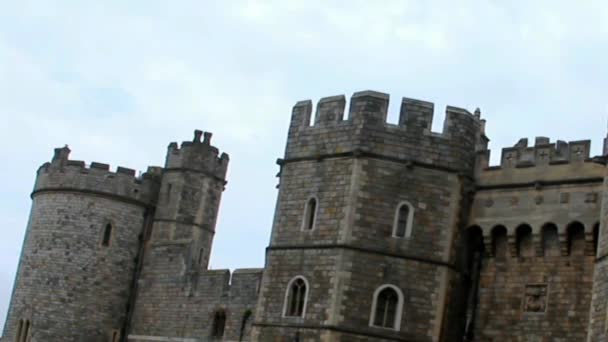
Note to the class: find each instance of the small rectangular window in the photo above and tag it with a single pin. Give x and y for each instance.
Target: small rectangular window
(107, 235)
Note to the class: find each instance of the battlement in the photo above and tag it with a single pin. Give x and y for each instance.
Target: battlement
(198, 156)
(544, 161)
(63, 174)
(366, 129)
(542, 153)
(371, 108)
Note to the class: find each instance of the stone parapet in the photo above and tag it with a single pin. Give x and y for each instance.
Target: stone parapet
(365, 130)
(62, 174)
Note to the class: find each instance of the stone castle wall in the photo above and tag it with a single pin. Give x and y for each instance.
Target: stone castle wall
(493, 253)
(539, 213)
(69, 286)
(186, 307)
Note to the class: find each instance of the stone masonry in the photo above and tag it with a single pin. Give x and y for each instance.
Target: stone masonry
(382, 232)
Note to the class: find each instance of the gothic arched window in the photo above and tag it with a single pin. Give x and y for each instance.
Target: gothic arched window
(296, 297)
(404, 216)
(387, 307)
(310, 214)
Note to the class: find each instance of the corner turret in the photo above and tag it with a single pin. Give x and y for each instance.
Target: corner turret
(182, 235)
(198, 156)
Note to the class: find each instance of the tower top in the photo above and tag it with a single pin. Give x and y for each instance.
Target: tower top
(197, 155)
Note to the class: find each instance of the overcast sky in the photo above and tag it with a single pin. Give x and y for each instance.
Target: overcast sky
(119, 80)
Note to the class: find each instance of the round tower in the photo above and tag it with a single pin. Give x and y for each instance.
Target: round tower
(182, 235)
(75, 273)
(363, 244)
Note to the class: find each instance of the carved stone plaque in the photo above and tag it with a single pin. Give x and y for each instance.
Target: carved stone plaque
(535, 298)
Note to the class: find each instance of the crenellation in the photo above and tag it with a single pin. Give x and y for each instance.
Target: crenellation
(198, 156)
(543, 154)
(330, 110)
(125, 170)
(63, 174)
(100, 166)
(509, 252)
(367, 131)
(368, 108)
(416, 114)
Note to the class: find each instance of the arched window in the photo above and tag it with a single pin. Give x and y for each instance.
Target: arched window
(404, 216)
(525, 247)
(310, 214)
(23, 331)
(387, 307)
(550, 240)
(219, 323)
(115, 335)
(576, 238)
(19, 331)
(245, 324)
(107, 235)
(296, 297)
(499, 242)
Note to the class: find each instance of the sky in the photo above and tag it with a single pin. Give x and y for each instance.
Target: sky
(118, 80)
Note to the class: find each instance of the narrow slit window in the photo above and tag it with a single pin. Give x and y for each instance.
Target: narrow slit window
(201, 256)
(386, 309)
(107, 235)
(310, 214)
(296, 298)
(219, 323)
(402, 227)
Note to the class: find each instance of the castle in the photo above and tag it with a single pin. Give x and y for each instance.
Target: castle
(382, 232)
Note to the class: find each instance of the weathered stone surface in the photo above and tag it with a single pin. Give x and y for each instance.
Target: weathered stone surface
(492, 253)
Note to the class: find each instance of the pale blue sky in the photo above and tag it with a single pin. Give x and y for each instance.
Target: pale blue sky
(119, 80)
